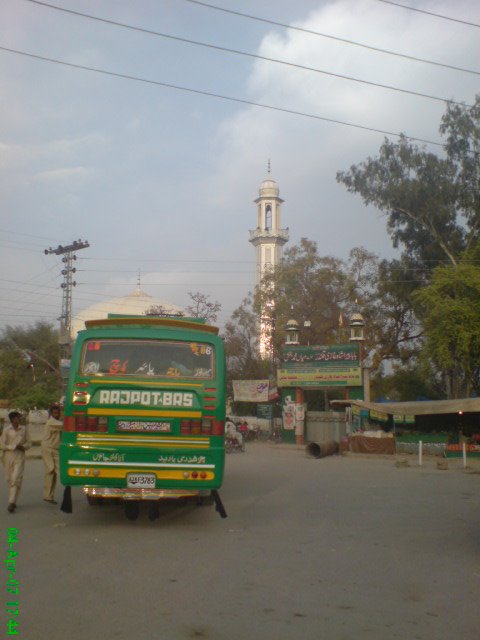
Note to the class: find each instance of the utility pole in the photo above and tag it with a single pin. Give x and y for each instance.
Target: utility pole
(68, 252)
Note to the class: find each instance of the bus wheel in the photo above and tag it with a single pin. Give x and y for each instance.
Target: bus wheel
(132, 509)
(153, 510)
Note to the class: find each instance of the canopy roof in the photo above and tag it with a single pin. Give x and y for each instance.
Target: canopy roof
(422, 408)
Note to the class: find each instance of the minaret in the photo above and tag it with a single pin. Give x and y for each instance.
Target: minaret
(268, 238)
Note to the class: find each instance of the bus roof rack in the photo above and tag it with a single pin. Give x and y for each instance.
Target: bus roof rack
(197, 324)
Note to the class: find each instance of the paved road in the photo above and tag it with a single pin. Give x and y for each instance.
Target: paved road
(342, 548)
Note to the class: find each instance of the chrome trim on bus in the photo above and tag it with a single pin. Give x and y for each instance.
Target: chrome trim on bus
(159, 465)
(119, 440)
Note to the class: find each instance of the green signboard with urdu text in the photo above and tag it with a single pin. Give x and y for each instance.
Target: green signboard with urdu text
(320, 366)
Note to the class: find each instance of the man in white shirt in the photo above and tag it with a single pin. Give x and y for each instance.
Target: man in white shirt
(231, 432)
(14, 441)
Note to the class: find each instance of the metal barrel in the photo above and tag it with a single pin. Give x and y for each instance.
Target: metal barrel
(322, 449)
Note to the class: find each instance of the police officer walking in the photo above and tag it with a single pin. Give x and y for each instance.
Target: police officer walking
(14, 441)
(50, 446)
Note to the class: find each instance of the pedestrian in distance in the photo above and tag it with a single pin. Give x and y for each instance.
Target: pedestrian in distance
(50, 445)
(14, 441)
(232, 433)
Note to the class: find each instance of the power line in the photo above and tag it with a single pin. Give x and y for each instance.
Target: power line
(28, 235)
(430, 13)
(325, 35)
(216, 95)
(247, 54)
(15, 246)
(170, 273)
(182, 260)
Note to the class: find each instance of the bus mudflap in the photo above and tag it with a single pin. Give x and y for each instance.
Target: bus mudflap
(219, 504)
(66, 505)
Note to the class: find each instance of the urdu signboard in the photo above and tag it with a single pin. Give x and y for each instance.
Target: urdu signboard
(320, 366)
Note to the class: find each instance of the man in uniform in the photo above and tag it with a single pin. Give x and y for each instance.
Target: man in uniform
(50, 445)
(14, 441)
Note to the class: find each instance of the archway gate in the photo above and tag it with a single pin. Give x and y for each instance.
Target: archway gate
(320, 367)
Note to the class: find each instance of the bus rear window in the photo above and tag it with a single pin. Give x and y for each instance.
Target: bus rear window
(139, 358)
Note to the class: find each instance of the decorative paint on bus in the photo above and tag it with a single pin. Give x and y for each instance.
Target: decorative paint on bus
(145, 410)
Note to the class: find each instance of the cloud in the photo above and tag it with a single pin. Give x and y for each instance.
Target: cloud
(63, 174)
(145, 172)
(306, 153)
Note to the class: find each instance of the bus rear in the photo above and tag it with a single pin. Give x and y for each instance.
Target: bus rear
(145, 412)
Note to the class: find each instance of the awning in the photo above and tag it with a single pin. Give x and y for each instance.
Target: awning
(422, 408)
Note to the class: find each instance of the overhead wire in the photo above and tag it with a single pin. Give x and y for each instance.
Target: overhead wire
(248, 54)
(212, 94)
(325, 35)
(430, 13)
(28, 235)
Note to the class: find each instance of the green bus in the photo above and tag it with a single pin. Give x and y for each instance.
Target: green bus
(144, 413)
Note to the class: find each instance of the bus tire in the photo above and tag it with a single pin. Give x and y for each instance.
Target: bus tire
(132, 509)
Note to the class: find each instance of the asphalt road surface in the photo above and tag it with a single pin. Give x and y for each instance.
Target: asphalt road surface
(342, 548)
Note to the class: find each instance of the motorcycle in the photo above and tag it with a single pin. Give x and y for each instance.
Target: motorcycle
(232, 445)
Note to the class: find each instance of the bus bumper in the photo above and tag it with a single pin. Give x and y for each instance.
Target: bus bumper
(147, 494)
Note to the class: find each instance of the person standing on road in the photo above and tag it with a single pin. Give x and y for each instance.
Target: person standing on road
(14, 441)
(50, 446)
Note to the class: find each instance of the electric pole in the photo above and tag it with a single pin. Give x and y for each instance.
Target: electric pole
(68, 252)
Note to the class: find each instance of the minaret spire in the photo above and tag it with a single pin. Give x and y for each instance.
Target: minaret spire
(268, 238)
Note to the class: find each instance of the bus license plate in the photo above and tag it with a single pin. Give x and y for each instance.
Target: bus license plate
(141, 480)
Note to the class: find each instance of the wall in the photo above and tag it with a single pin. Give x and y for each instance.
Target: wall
(323, 426)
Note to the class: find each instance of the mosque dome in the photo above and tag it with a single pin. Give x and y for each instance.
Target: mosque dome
(134, 304)
(356, 318)
(269, 188)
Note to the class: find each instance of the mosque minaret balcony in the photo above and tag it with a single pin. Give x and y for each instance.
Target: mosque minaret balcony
(258, 235)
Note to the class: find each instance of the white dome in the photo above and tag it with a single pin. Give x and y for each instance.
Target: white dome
(135, 303)
(269, 188)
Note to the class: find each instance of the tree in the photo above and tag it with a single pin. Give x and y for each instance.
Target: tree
(241, 337)
(415, 382)
(432, 203)
(29, 373)
(432, 206)
(451, 317)
(160, 311)
(305, 287)
(241, 350)
(326, 291)
(202, 307)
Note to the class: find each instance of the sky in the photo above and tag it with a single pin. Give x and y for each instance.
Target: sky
(160, 180)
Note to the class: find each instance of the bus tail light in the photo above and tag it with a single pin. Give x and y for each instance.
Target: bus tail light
(82, 422)
(218, 427)
(196, 427)
(81, 397)
(205, 427)
(186, 427)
